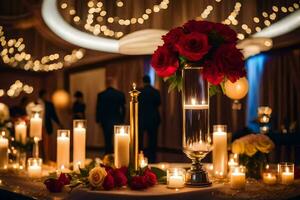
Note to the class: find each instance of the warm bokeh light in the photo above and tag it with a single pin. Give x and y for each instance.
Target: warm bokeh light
(61, 99)
(236, 90)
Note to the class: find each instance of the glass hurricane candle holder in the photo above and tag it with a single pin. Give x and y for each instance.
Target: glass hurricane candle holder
(63, 149)
(286, 173)
(196, 139)
(35, 130)
(233, 161)
(34, 167)
(79, 143)
(238, 177)
(176, 178)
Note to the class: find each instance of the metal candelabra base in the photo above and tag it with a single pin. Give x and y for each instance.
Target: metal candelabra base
(196, 176)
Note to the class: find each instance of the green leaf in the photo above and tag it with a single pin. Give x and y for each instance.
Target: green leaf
(84, 172)
(213, 90)
(160, 174)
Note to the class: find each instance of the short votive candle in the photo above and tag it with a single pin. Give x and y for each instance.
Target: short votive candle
(238, 177)
(269, 178)
(286, 173)
(175, 178)
(34, 167)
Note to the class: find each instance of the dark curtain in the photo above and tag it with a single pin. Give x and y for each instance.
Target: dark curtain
(281, 87)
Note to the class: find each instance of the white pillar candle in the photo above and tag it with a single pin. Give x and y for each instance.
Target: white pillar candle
(36, 126)
(238, 178)
(63, 148)
(21, 132)
(34, 168)
(287, 177)
(220, 151)
(3, 151)
(269, 178)
(175, 178)
(121, 144)
(79, 143)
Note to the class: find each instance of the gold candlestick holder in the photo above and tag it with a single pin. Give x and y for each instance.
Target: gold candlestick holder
(134, 126)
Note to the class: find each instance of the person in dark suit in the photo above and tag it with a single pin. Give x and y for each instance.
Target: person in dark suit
(110, 111)
(49, 116)
(149, 117)
(78, 106)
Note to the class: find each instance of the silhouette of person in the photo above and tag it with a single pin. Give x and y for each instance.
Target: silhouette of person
(78, 106)
(49, 115)
(149, 117)
(110, 111)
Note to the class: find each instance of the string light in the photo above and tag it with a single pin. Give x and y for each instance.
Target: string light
(13, 54)
(97, 8)
(16, 89)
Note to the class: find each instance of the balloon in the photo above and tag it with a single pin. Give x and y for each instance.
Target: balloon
(236, 90)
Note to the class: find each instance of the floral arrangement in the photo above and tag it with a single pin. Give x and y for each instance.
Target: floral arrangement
(252, 150)
(104, 177)
(200, 43)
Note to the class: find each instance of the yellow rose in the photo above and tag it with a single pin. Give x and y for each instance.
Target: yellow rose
(250, 149)
(264, 143)
(238, 147)
(97, 176)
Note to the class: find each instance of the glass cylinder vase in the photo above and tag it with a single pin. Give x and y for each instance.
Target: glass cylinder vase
(197, 141)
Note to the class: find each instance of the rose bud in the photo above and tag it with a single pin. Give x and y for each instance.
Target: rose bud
(64, 178)
(53, 185)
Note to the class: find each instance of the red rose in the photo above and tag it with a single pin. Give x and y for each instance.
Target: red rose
(173, 35)
(193, 46)
(150, 178)
(212, 73)
(64, 178)
(230, 61)
(138, 183)
(124, 170)
(108, 182)
(119, 178)
(226, 32)
(198, 26)
(53, 185)
(164, 61)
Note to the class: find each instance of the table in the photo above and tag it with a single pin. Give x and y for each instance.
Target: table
(18, 186)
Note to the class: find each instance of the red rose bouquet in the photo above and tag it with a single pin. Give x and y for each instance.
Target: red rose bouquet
(200, 43)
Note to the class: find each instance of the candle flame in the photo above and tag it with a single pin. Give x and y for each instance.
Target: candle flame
(80, 125)
(36, 115)
(267, 166)
(134, 85)
(122, 130)
(203, 102)
(3, 133)
(287, 170)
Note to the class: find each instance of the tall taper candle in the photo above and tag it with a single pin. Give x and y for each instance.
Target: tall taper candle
(79, 143)
(63, 149)
(121, 145)
(220, 151)
(3, 151)
(134, 123)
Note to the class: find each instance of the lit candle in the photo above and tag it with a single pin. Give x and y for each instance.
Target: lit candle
(63, 148)
(79, 144)
(143, 162)
(220, 151)
(194, 105)
(175, 178)
(269, 178)
(34, 168)
(287, 177)
(163, 166)
(121, 150)
(36, 126)
(238, 178)
(20, 132)
(3, 151)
